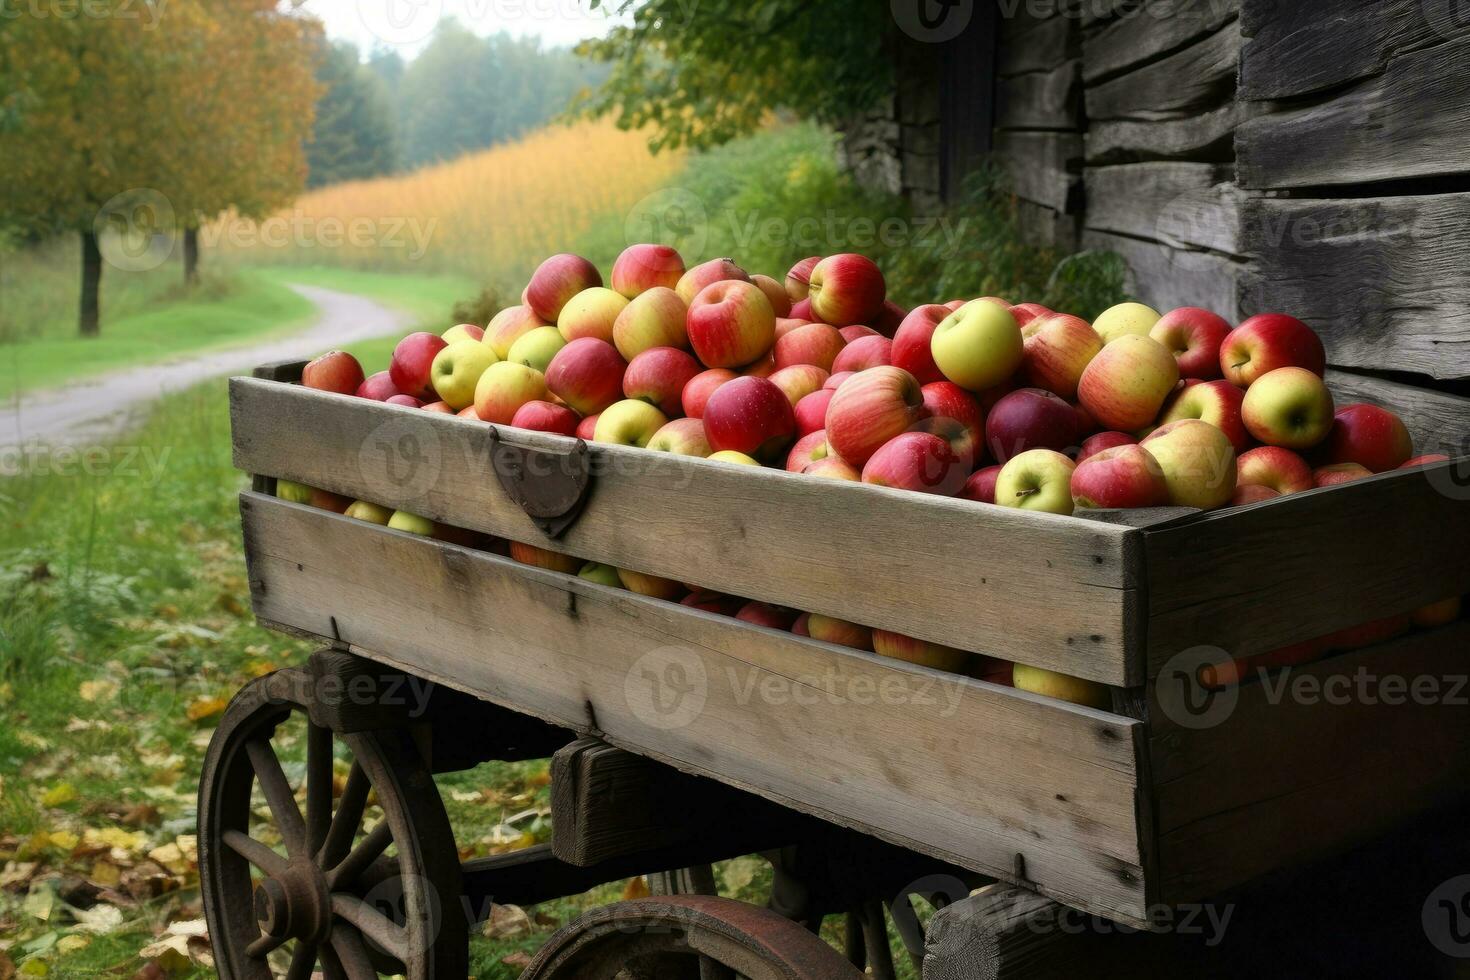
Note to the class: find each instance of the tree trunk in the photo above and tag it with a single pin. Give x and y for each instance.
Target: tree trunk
(91, 284)
(191, 257)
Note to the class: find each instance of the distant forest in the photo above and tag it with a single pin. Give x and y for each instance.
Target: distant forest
(382, 115)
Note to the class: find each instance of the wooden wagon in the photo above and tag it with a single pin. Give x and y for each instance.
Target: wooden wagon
(681, 738)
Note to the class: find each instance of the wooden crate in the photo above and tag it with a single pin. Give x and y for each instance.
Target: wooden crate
(1110, 812)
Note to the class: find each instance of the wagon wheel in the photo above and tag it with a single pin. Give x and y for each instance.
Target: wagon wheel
(344, 898)
(692, 937)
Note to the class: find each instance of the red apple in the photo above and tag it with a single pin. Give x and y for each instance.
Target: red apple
(1194, 336)
(541, 416)
(945, 399)
(379, 387)
(556, 281)
(1251, 493)
(802, 310)
(832, 468)
(587, 428)
(529, 554)
(863, 353)
(438, 407)
(918, 461)
(682, 437)
(412, 360)
(811, 411)
(731, 323)
(765, 614)
(808, 449)
(335, 370)
(700, 387)
(707, 274)
(1372, 436)
(834, 381)
(1216, 402)
(968, 446)
(910, 349)
(799, 380)
(829, 629)
(642, 267)
(786, 324)
(847, 288)
(1125, 476)
(504, 388)
(1027, 312)
(508, 326)
(1126, 384)
(1030, 419)
(798, 280)
(587, 374)
(658, 376)
(1271, 466)
(872, 408)
(750, 416)
(810, 343)
(1264, 343)
(981, 484)
(471, 412)
(1369, 633)
(857, 331)
(714, 602)
(764, 367)
(1425, 460)
(775, 292)
(1332, 475)
(655, 319)
(408, 401)
(915, 651)
(1096, 443)
(889, 318)
(1056, 350)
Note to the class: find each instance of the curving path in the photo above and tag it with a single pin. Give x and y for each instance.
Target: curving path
(86, 412)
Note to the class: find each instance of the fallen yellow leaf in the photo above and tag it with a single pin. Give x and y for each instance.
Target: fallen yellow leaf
(205, 707)
(63, 839)
(97, 690)
(637, 888)
(59, 795)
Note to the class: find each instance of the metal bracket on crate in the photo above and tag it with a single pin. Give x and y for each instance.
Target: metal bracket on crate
(551, 487)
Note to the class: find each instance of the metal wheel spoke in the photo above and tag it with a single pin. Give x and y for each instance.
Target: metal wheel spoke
(252, 850)
(352, 954)
(390, 937)
(301, 962)
(278, 795)
(347, 818)
(363, 855)
(318, 786)
(331, 963)
(264, 946)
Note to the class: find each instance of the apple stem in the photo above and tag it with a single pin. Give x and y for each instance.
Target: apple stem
(1027, 493)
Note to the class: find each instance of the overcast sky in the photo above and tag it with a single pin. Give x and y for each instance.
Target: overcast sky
(405, 25)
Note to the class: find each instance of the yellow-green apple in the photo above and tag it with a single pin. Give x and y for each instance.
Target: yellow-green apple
(336, 370)
(733, 456)
(1425, 460)
(834, 381)
(658, 376)
(830, 629)
(915, 651)
(700, 387)
(1216, 402)
(402, 520)
(591, 313)
(863, 353)
(412, 360)
(654, 319)
(1030, 418)
(947, 400)
(436, 407)
(504, 388)
(1335, 473)
(529, 554)
(798, 280)
(408, 401)
(464, 331)
(775, 292)
(587, 374)
(1038, 479)
(651, 585)
(1289, 407)
(1271, 466)
(1369, 435)
(731, 323)
(832, 468)
(601, 574)
(1198, 463)
(1051, 684)
(978, 346)
(918, 461)
(546, 417)
(981, 485)
(643, 267)
(872, 407)
(629, 423)
(1126, 384)
(587, 428)
(1251, 493)
(889, 318)
(557, 280)
(765, 614)
(537, 347)
(1194, 337)
(682, 437)
(799, 380)
(362, 510)
(1099, 441)
(1264, 343)
(296, 493)
(1435, 614)
(809, 343)
(1025, 313)
(457, 369)
(846, 288)
(1056, 350)
(857, 331)
(807, 450)
(1126, 476)
(693, 282)
(811, 411)
(508, 326)
(751, 416)
(911, 342)
(713, 602)
(1125, 320)
(379, 387)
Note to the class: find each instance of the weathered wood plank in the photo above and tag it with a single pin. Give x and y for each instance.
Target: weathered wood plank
(1263, 577)
(1040, 588)
(1411, 121)
(1041, 100)
(1045, 168)
(1200, 77)
(1439, 422)
(1184, 205)
(968, 772)
(1167, 278)
(1040, 225)
(1382, 279)
(1297, 49)
(1347, 749)
(1040, 48)
(1205, 136)
(1149, 30)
